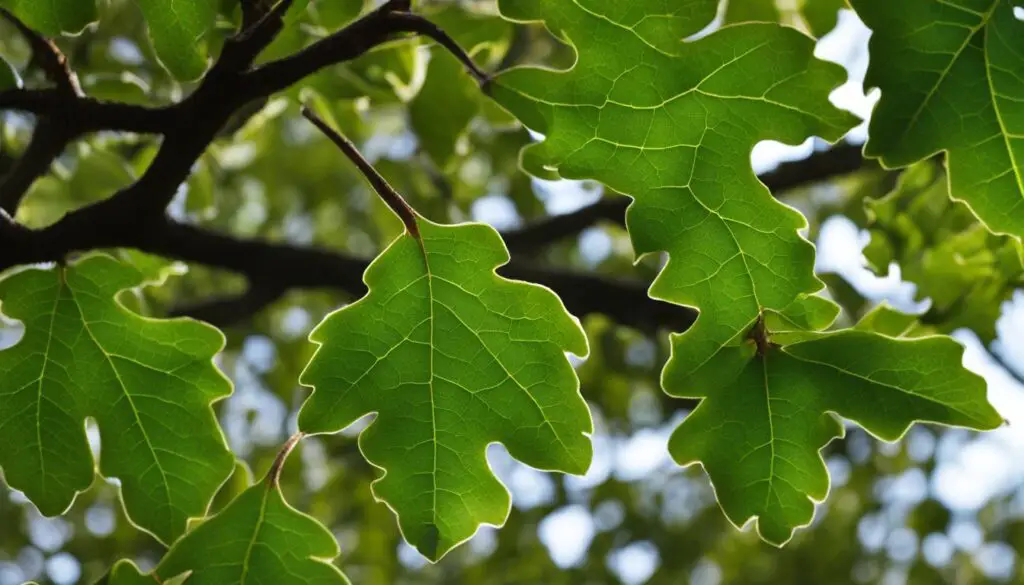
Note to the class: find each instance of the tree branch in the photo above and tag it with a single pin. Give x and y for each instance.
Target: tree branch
(47, 143)
(820, 166)
(49, 139)
(368, 32)
(273, 268)
(384, 190)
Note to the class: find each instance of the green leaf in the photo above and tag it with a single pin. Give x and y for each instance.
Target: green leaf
(966, 271)
(818, 17)
(672, 124)
(9, 78)
(759, 435)
(450, 357)
(444, 106)
(177, 28)
(822, 16)
(450, 99)
(147, 383)
(257, 538)
(335, 14)
(54, 17)
(888, 321)
(952, 79)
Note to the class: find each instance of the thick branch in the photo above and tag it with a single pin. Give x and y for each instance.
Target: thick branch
(352, 41)
(46, 145)
(273, 268)
(87, 114)
(840, 160)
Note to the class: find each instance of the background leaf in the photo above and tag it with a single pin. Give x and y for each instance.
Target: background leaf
(177, 28)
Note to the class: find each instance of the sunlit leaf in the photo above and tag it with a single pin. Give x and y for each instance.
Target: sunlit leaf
(672, 124)
(147, 383)
(450, 357)
(758, 436)
(257, 538)
(952, 79)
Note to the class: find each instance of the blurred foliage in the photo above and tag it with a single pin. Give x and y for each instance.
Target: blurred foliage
(637, 517)
(966, 271)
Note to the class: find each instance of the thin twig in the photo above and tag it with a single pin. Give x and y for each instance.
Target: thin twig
(384, 190)
(1010, 369)
(274, 476)
(47, 56)
(417, 24)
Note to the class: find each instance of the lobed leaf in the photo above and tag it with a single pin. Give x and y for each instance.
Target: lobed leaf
(147, 383)
(952, 79)
(672, 124)
(257, 538)
(758, 436)
(450, 357)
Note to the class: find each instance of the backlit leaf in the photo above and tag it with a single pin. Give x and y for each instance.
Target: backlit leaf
(450, 357)
(672, 124)
(952, 79)
(177, 28)
(257, 538)
(53, 17)
(147, 383)
(758, 436)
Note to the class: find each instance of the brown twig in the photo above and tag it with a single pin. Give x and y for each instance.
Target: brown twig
(274, 476)
(384, 190)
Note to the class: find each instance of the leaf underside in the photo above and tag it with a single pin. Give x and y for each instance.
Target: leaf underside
(147, 383)
(952, 79)
(450, 357)
(672, 124)
(759, 435)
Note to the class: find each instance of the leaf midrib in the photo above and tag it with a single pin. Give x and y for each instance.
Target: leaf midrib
(430, 380)
(255, 536)
(42, 376)
(124, 389)
(1003, 129)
